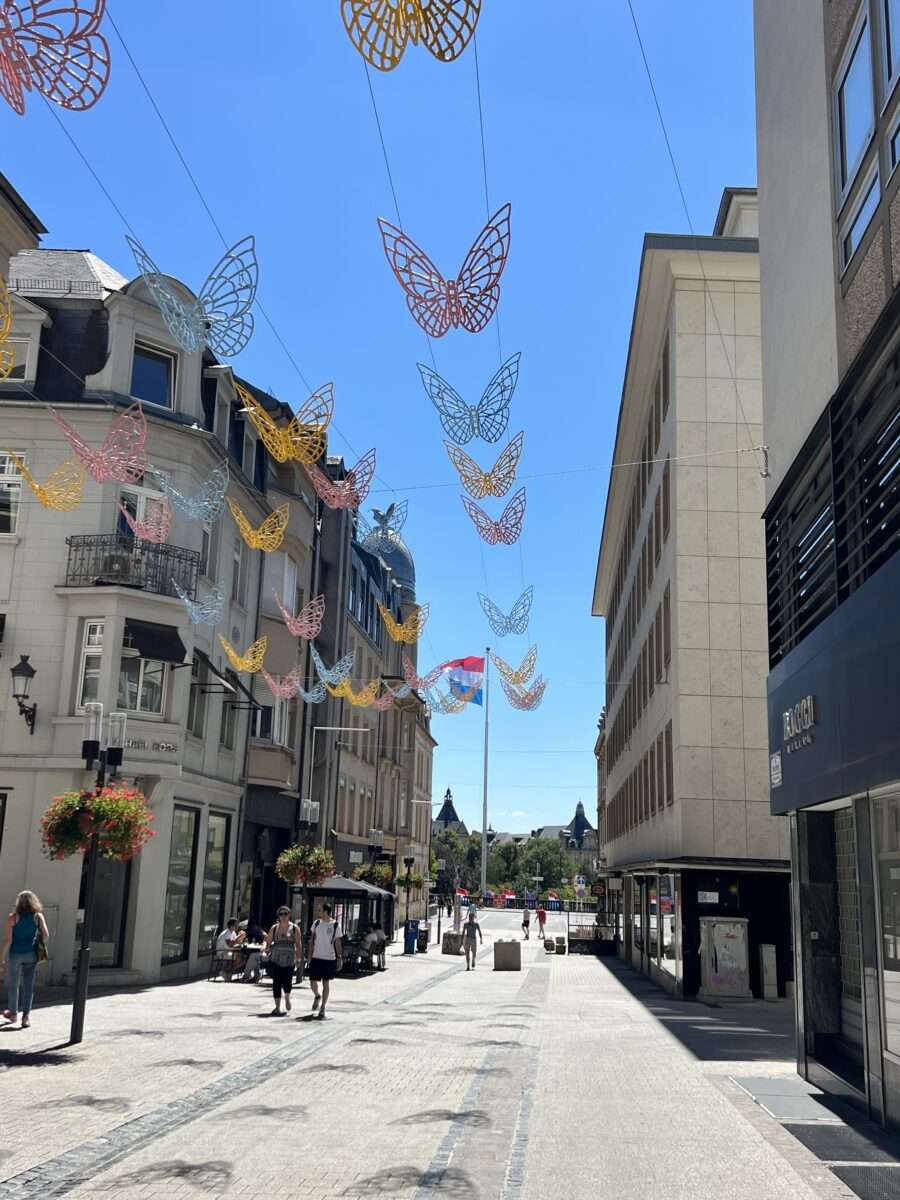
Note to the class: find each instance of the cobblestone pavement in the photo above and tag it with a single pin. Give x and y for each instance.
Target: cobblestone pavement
(574, 1077)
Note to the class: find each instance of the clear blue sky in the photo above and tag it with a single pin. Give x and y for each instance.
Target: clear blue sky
(271, 108)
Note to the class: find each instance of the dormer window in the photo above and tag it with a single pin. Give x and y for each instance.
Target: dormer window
(153, 376)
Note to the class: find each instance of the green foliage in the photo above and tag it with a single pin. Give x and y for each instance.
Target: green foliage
(378, 874)
(546, 857)
(120, 815)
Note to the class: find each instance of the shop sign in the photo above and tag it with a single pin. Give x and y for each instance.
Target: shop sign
(707, 897)
(356, 856)
(155, 747)
(615, 885)
(797, 724)
(775, 776)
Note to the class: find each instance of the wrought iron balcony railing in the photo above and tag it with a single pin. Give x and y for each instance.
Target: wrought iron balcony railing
(98, 559)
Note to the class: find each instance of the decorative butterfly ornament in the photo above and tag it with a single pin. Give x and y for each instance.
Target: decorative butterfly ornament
(488, 418)
(381, 29)
(496, 482)
(436, 303)
(62, 488)
(207, 502)
(157, 525)
(269, 535)
(123, 452)
(451, 703)
(252, 661)
(207, 611)
(525, 700)
(7, 357)
(518, 676)
(385, 533)
(220, 316)
(387, 698)
(410, 630)
(516, 622)
(308, 621)
(361, 699)
(304, 438)
(53, 46)
(336, 674)
(507, 529)
(348, 492)
(286, 686)
(419, 682)
(315, 695)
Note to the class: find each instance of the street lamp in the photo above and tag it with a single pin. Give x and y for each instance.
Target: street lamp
(376, 843)
(22, 674)
(306, 826)
(107, 757)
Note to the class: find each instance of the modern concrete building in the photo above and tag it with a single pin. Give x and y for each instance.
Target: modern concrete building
(828, 114)
(681, 584)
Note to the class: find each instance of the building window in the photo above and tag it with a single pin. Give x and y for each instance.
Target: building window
(660, 772)
(890, 24)
(270, 722)
(179, 890)
(207, 551)
(238, 573)
(860, 215)
(657, 625)
(657, 527)
(212, 904)
(670, 767)
(152, 376)
(652, 761)
(289, 583)
(894, 141)
(19, 348)
(667, 625)
(142, 682)
(196, 717)
(138, 502)
(651, 656)
(10, 492)
(2, 818)
(227, 724)
(89, 669)
(402, 819)
(854, 106)
(666, 500)
(665, 377)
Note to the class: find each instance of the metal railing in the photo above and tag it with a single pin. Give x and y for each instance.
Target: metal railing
(97, 559)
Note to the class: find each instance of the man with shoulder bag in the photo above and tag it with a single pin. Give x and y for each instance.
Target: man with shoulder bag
(325, 959)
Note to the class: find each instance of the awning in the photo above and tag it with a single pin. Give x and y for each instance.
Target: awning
(339, 885)
(160, 642)
(228, 679)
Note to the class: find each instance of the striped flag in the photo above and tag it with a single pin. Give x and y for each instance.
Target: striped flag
(463, 674)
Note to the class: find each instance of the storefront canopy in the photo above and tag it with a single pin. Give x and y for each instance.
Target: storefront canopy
(159, 642)
(339, 885)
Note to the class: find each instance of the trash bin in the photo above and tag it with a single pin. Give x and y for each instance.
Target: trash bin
(410, 937)
(452, 942)
(424, 937)
(508, 954)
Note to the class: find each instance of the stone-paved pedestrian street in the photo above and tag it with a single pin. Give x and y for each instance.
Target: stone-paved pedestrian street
(575, 1077)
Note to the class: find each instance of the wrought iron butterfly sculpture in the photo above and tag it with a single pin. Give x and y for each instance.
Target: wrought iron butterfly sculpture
(469, 300)
(207, 611)
(308, 621)
(507, 529)
(495, 482)
(382, 29)
(336, 674)
(451, 703)
(220, 316)
(303, 439)
(286, 686)
(62, 488)
(252, 661)
(207, 502)
(361, 699)
(123, 452)
(54, 47)
(389, 695)
(270, 534)
(408, 631)
(348, 492)
(315, 695)
(7, 357)
(516, 622)
(525, 699)
(414, 680)
(518, 676)
(488, 418)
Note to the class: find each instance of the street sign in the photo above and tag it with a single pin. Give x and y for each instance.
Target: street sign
(598, 888)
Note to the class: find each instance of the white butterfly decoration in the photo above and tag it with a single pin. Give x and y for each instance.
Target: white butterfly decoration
(516, 622)
(487, 419)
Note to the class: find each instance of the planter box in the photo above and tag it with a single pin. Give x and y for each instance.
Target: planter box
(451, 943)
(508, 955)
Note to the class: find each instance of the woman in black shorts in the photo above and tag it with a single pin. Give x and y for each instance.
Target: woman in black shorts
(324, 957)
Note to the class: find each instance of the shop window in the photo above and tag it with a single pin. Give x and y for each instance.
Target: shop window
(179, 889)
(668, 948)
(886, 837)
(10, 492)
(215, 867)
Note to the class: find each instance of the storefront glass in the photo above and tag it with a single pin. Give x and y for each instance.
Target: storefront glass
(886, 836)
(110, 910)
(182, 863)
(668, 924)
(212, 916)
(637, 932)
(653, 918)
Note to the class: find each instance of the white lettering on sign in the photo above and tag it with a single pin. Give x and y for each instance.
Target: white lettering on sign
(144, 744)
(707, 897)
(775, 776)
(799, 718)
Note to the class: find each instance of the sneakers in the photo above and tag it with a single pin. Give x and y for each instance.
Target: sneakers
(9, 1015)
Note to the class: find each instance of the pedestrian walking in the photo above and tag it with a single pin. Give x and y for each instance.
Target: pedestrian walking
(542, 921)
(24, 946)
(471, 930)
(526, 922)
(325, 959)
(285, 945)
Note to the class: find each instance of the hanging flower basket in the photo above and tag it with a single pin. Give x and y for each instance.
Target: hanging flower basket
(378, 874)
(308, 865)
(120, 815)
(414, 880)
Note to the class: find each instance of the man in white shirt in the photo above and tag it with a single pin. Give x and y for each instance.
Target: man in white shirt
(227, 940)
(324, 955)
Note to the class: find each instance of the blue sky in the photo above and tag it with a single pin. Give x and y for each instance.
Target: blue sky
(271, 108)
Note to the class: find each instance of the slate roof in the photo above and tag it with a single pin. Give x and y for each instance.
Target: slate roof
(63, 273)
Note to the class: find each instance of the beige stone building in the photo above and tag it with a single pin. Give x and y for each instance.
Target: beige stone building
(681, 585)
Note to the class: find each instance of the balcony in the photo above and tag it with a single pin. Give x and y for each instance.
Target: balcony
(97, 560)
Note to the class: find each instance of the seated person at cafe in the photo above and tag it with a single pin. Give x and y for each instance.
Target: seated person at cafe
(226, 943)
(255, 937)
(375, 942)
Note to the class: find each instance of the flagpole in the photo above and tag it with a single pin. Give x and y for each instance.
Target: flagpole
(484, 797)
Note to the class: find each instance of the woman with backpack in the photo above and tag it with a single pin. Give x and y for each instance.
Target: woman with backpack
(25, 942)
(285, 947)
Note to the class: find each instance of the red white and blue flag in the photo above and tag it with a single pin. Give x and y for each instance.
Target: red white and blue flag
(463, 674)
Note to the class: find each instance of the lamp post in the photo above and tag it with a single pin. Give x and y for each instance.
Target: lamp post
(110, 758)
(22, 674)
(306, 828)
(376, 844)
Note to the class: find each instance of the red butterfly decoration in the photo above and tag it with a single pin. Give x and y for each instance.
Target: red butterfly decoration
(53, 46)
(308, 621)
(507, 529)
(525, 699)
(156, 527)
(469, 300)
(350, 491)
(123, 454)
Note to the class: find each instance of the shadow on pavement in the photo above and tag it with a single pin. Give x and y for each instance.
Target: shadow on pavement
(127, 1033)
(52, 1056)
(110, 1104)
(434, 1116)
(281, 1112)
(376, 1041)
(477, 1071)
(341, 1068)
(732, 1031)
(208, 1176)
(450, 1181)
(199, 1064)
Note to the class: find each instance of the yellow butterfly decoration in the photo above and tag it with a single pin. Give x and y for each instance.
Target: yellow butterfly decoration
(410, 630)
(520, 675)
(361, 699)
(270, 534)
(252, 661)
(303, 439)
(7, 358)
(61, 490)
(381, 29)
(496, 482)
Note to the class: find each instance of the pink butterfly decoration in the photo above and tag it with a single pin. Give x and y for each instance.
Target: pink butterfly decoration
(419, 682)
(351, 490)
(526, 699)
(156, 527)
(383, 702)
(123, 453)
(285, 687)
(308, 621)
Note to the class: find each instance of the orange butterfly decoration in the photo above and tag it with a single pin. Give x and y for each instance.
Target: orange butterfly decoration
(252, 661)
(495, 482)
(438, 304)
(348, 492)
(270, 534)
(304, 438)
(381, 29)
(518, 676)
(7, 357)
(62, 488)
(507, 529)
